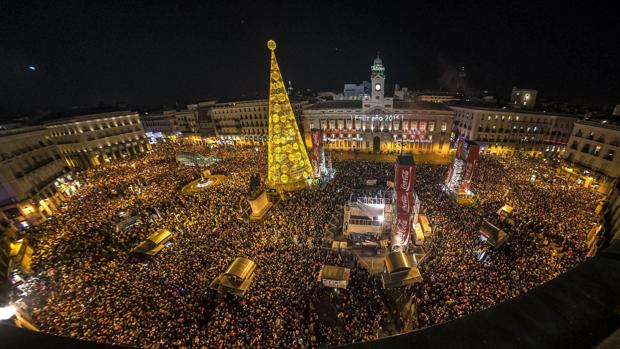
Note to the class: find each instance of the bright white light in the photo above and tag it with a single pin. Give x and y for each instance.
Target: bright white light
(380, 218)
(7, 312)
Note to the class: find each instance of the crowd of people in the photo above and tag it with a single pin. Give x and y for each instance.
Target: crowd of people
(87, 285)
(551, 218)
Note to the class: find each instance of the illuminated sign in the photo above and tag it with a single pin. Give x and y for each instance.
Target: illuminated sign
(376, 117)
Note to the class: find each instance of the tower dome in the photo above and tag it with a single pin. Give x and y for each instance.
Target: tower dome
(377, 66)
(377, 60)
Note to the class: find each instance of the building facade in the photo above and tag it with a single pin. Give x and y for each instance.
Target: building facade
(594, 148)
(91, 140)
(505, 131)
(31, 168)
(206, 124)
(186, 120)
(158, 123)
(356, 91)
(380, 124)
(244, 121)
(435, 97)
(522, 98)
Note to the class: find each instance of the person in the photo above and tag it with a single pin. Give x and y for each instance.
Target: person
(85, 285)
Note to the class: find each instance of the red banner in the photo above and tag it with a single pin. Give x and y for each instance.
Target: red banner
(402, 230)
(405, 175)
(404, 202)
(470, 164)
(316, 137)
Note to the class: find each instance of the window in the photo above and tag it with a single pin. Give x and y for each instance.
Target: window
(431, 127)
(596, 151)
(609, 156)
(444, 126)
(586, 148)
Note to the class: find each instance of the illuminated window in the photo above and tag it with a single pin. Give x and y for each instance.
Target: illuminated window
(444, 126)
(609, 156)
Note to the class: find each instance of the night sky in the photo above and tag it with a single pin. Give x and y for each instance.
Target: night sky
(149, 55)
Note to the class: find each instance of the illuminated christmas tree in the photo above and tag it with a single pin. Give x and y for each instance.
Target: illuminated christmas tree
(289, 165)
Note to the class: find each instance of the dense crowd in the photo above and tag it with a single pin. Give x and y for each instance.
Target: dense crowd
(87, 285)
(552, 216)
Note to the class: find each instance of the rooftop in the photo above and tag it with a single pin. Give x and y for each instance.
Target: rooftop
(506, 109)
(420, 105)
(348, 104)
(357, 104)
(607, 124)
(76, 112)
(16, 131)
(90, 117)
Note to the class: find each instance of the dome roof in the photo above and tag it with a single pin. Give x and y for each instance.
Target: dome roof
(377, 61)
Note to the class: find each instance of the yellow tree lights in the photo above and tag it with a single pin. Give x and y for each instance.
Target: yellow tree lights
(289, 165)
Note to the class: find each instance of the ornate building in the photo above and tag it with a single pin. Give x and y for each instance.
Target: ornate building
(378, 123)
(31, 172)
(90, 140)
(505, 131)
(593, 149)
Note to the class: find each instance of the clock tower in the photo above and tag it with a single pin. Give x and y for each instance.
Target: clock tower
(377, 77)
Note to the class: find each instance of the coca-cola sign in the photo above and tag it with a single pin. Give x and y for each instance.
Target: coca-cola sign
(404, 178)
(401, 230)
(404, 202)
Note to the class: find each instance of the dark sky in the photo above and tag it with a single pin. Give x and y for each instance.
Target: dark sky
(155, 53)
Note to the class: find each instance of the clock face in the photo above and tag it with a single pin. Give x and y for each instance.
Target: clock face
(377, 87)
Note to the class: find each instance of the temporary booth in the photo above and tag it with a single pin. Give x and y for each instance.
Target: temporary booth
(505, 212)
(400, 270)
(237, 278)
(492, 234)
(425, 224)
(339, 245)
(334, 276)
(153, 244)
